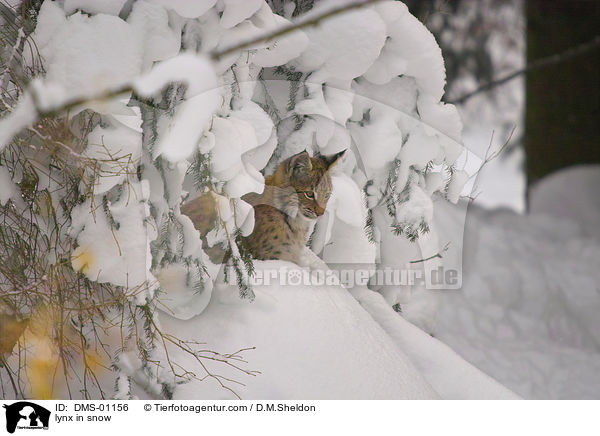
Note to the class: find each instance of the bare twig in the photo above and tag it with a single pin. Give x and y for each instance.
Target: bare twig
(535, 65)
(199, 357)
(436, 255)
(491, 156)
(488, 158)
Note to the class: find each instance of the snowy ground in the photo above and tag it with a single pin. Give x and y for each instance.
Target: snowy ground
(528, 311)
(318, 342)
(311, 343)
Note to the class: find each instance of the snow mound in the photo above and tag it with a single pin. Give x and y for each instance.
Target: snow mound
(311, 342)
(571, 193)
(317, 342)
(528, 311)
(448, 373)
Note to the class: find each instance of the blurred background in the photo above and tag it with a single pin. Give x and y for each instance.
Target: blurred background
(545, 116)
(524, 76)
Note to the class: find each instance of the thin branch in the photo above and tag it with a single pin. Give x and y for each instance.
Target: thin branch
(533, 66)
(488, 158)
(217, 55)
(493, 155)
(436, 255)
(73, 103)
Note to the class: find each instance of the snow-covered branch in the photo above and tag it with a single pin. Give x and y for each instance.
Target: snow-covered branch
(299, 24)
(139, 109)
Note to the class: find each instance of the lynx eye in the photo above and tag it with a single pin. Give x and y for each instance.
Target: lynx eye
(310, 195)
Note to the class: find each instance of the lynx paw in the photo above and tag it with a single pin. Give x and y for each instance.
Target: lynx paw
(311, 260)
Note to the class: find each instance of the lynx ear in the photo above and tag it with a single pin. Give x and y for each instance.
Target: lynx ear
(332, 159)
(300, 161)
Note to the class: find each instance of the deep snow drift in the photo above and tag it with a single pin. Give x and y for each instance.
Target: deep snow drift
(318, 342)
(528, 311)
(311, 343)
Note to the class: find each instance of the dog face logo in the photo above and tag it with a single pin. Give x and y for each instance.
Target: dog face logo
(24, 414)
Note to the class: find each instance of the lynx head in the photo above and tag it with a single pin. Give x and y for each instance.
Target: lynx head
(310, 179)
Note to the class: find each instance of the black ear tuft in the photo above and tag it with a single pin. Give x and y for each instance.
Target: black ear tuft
(300, 161)
(332, 159)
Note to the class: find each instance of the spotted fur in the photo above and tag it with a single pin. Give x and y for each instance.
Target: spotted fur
(294, 196)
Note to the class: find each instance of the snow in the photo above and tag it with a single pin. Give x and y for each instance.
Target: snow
(378, 142)
(116, 254)
(283, 50)
(253, 114)
(187, 8)
(160, 41)
(112, 7)
(347, 201)
(244, 216)
(175, 297)
(348, 245)
(443, 369)
(345, 48)
(248, 179)
(8, 189)
(442, 118)
(259, 156)
(238, 10)
(22, 116)
(233, 138)
(571, 194)
(395, 360)
(194, 70)
(410, 49)
(100, 36)
(117, 152)
(527, 312)
(180, 138)
(418, 206)
(417, 152)
(288, 357)
(400, 93)
(49, 21)
(455, 188)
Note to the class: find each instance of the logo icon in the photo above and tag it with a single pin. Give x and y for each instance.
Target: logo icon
(24, 414)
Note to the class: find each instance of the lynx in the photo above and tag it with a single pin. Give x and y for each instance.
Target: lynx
(295, 195)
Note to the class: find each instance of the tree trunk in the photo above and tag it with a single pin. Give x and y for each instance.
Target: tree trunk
(562, 123)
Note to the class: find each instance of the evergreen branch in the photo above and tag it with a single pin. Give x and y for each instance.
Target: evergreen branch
(128, 88)
(538, 64)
